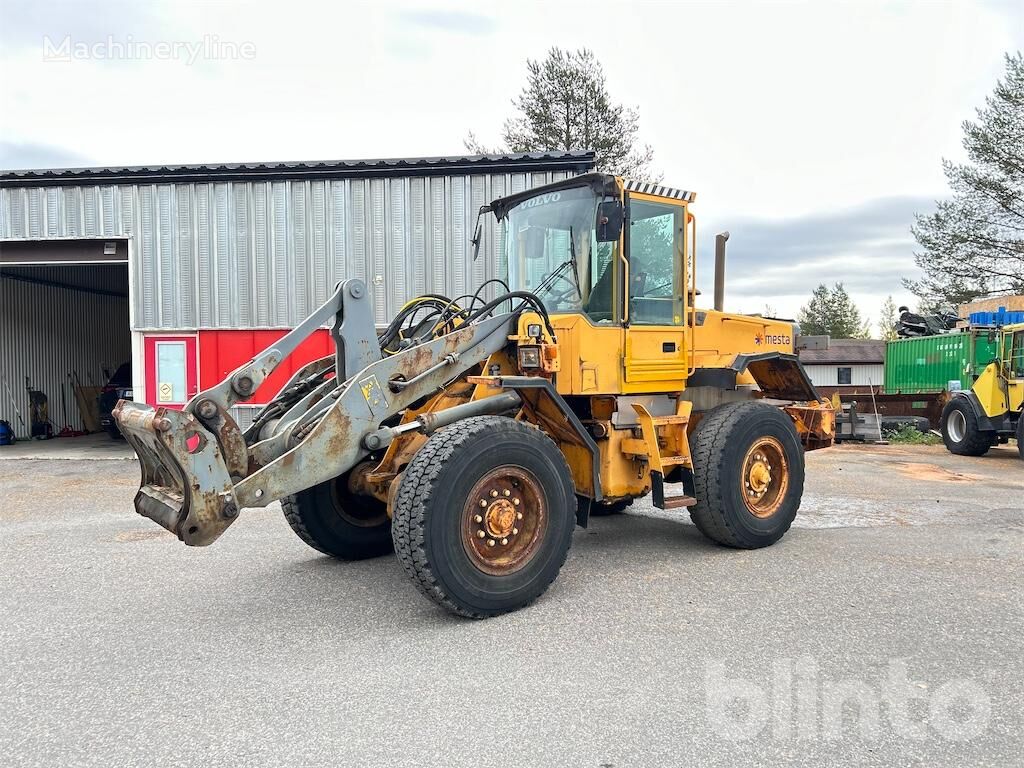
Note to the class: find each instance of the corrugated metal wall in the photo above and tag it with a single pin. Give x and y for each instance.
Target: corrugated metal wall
(48, 332)
(264, 254)
(861, 374)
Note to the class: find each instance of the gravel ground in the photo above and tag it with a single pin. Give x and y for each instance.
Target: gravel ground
(900, 588)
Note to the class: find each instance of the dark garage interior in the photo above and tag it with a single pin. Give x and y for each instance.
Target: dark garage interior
(64, 332)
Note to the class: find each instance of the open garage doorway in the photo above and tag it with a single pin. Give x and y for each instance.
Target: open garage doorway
(65, 338)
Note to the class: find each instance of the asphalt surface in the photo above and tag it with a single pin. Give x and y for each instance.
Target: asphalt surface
(900, 588)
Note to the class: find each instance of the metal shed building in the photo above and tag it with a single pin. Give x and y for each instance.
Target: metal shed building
(186, 270)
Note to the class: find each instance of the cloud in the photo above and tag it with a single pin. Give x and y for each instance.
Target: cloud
(868, 248)
(26, 22)
(17, 155)
(458, 22)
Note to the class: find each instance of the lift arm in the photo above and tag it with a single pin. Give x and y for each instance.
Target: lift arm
(199, 470)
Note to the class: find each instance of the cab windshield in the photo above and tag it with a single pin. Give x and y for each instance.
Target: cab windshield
(550, 245)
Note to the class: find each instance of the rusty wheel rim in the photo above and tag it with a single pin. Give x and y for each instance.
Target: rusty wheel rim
(765, 477)
(504, 521)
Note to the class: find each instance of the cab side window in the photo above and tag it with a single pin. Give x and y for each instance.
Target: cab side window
(655, 263)
(1017, 355)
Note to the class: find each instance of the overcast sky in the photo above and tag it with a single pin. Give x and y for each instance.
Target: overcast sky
(812, 131)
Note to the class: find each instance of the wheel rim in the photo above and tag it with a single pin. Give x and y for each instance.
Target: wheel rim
(765, 477)
(504, 520)
(956, 425)
(351, 508)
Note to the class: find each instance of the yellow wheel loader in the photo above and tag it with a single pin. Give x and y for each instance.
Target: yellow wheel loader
(989, 412)
(474, 434)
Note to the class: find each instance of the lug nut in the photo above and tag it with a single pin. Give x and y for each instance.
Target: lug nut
(494, 494)
(504, 541)
(515, 531)
(519, 515)
(508, 492)
(480, 534)
(483, 502)
(490, 542)
(516, 502)
(477, 519)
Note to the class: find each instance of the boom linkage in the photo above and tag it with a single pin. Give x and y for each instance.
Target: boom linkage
(199, 469)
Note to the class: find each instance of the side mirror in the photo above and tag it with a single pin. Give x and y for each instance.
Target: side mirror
(478, 231)
(609, 221)
(478, 235)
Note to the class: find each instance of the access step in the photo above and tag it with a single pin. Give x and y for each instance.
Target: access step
(676, 502)
(670, 502)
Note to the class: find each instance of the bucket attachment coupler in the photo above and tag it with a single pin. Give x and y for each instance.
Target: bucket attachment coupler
(199, 469)
(186, 487)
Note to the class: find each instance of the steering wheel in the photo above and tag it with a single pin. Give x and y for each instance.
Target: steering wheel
(557, 297)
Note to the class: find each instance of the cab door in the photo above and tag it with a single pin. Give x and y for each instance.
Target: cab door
(656, 294)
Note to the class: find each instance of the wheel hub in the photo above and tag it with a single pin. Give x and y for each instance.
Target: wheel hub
(500, 518)
(504, 520)
(765, 477)
(760, 477)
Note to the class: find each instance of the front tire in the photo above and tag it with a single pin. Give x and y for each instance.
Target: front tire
(484, 516)
(960, 430)
(333, 520)
(748, 473)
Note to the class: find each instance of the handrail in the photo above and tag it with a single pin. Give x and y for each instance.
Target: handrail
(691, 311)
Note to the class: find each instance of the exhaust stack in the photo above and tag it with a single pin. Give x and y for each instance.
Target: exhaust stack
(720, 240)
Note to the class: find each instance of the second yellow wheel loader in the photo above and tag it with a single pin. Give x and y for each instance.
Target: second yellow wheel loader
(992, 410)
(473, 435)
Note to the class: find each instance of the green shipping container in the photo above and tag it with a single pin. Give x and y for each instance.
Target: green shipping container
(929, 363)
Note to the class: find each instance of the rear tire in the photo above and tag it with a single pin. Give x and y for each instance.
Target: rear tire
(484, 516)
(960, 431)
(333, 520)
(748, 473)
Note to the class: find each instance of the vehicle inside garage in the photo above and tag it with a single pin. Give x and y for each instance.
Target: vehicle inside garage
(65, 341)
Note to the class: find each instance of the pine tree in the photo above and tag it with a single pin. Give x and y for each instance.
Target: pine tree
(565, 105)
(832, 312)
(974, 242)
(887, 320)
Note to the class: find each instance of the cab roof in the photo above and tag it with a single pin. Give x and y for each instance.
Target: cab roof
(602, 184)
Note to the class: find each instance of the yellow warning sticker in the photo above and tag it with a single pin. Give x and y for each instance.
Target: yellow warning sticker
(374, 395)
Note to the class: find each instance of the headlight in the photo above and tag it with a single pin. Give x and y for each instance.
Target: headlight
(529, 357)
(533, 330)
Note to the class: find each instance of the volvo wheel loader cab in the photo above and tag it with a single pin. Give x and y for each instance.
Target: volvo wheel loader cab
(476, 432)
(989, 412)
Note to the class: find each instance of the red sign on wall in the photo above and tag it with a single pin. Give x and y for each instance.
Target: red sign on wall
(221, 352)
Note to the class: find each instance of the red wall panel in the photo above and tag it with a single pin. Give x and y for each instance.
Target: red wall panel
(220, 352)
